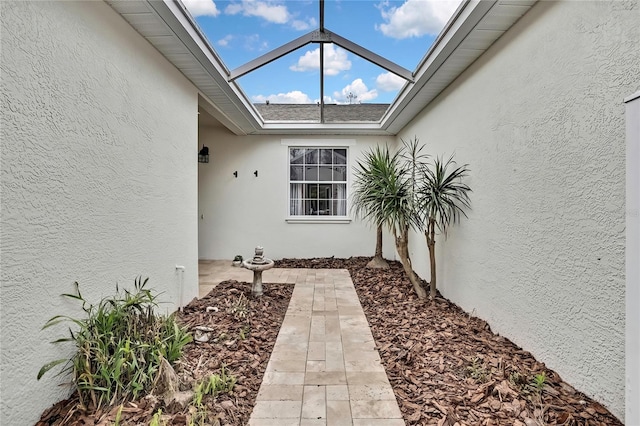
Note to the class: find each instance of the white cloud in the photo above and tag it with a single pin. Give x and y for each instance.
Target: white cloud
(253, 42)
(335, 60)
(302, 25)
(416, 18)
(357, 88)
(201, 7)
(233, 9)
(224, 42)
(389, 82)
(328, 100)
(269, 11)
(294, 97)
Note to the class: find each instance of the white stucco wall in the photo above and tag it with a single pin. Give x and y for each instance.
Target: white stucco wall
(98, 180)
(236, 214)
(632, 347)
(540, 120)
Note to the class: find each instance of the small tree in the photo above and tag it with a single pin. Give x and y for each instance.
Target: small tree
(384, 194)
(442, 198)
(369, 191)
(407, 214)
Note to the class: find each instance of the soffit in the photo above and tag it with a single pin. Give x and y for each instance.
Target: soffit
(469, 33)
(169, 28)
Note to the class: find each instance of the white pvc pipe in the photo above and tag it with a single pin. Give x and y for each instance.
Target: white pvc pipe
(181, 269)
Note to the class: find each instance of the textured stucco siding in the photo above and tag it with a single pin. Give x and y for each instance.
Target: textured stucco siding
(98, 180)
(632, 268)
(540, 120)
(236, 214)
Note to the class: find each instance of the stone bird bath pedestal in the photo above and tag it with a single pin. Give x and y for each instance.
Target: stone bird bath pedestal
(258, 264)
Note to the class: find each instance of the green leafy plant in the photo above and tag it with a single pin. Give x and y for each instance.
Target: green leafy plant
(370, 182)
(119, 345)
(517, 380)
(219, 383)
(118, 418)
(442, 200)
(214, 385)
(539, 381)
(239, 307)
(244, 332)
(405, 191)
(238, 258)
(386, 196)
(156, 420)
(477, 370)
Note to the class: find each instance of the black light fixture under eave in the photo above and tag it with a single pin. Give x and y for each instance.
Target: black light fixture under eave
(203, 155)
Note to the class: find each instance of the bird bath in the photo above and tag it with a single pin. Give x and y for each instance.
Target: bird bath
(258, 264)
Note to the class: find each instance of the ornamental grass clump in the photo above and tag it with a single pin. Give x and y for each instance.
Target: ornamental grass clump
(120, 345)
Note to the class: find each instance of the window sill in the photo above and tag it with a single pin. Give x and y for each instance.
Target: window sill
(318, 219)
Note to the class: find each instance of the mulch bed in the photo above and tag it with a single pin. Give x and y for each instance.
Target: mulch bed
(245, 339)
(243, 336)
(447, 367)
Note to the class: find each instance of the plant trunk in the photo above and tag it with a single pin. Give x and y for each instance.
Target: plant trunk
(431, 243)
(378, 261)
(402, 245)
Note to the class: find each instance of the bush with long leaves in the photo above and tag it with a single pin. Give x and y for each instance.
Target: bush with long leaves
(442, 198)
(120, 345)
(370, 192)
(385, 194)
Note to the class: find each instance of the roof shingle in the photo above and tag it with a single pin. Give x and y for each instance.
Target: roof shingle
(332, 112)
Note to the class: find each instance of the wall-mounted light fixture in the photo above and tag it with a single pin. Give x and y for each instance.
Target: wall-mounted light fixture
(235, 173)
(256, 173)
(203, 155)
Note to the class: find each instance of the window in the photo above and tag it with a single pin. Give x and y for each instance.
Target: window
(317, 181)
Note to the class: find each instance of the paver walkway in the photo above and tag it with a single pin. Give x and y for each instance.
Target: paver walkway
(324, 368)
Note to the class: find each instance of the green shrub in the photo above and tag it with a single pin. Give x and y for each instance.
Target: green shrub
(120, 345)
(214, 385)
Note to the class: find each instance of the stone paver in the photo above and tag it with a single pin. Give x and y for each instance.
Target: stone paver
(324, 368)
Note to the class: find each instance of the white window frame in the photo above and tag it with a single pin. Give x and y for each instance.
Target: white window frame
(320, 144)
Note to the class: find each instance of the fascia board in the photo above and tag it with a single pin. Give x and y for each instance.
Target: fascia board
(205, 103)
(468, 16)
(173, 14)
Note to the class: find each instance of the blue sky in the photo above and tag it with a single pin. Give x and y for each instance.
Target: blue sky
(401, 31)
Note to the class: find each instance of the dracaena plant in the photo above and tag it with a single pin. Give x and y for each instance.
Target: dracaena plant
(370, 192)
(442, 199)
(385, 195)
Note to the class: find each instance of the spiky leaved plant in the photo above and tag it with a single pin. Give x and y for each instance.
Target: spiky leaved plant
(442, 200)
(386, 196)
(370, 191)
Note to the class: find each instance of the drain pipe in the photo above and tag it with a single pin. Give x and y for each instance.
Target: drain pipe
(181, 269)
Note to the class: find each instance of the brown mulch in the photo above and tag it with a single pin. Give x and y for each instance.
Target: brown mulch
(446, 367)
(245, 331)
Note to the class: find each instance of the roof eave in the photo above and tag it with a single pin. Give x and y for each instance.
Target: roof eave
(168, 26)
(473, 28)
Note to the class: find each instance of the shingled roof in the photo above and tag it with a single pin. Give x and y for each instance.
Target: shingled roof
(332, 112)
